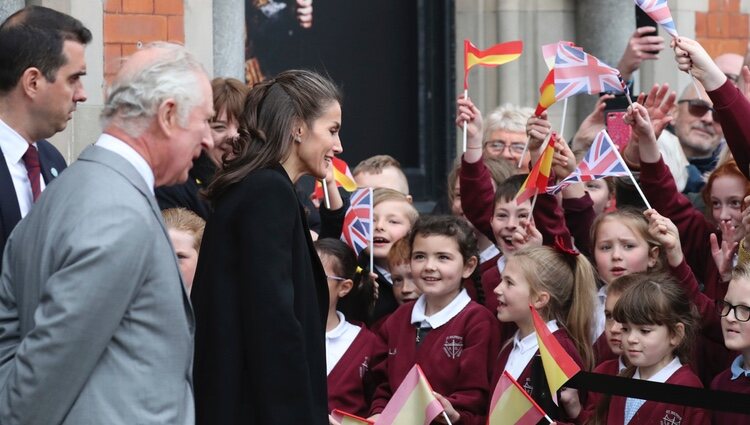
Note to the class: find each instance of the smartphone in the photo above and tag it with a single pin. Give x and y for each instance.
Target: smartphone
(643, 20)
(617, 129)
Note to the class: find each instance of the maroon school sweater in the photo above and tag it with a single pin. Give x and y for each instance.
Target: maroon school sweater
(456, 359)
(524, 379)
(733, 110)
(659, 187)
(724, 382)
(610, 367)
(652, 412)
(350, 383)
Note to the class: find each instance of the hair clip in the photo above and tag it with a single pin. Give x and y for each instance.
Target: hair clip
(560, 246)
(359, 270)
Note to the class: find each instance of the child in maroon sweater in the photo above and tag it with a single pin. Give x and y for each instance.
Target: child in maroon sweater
(560, 285)
(452, 338)
(349, 347)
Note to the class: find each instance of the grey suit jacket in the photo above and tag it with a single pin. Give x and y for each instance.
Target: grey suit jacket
(95, 323)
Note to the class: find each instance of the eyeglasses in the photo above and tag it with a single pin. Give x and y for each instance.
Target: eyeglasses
(699, 108)
(336, 278)
(741, 312)
(499, 145)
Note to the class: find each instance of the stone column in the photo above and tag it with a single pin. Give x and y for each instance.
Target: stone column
(603, 28)
(229, 38)
(8, 7)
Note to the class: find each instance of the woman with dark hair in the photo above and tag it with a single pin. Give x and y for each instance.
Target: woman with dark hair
(229, 99)
(260, 294)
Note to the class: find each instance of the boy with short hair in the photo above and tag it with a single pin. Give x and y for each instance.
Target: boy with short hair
(399, 264)
(381, 171)
(393, 217)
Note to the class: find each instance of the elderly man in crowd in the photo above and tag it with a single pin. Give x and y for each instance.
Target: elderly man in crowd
(95, 323)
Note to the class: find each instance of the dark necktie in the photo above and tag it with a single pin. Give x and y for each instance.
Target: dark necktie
(31, 160)
(422, 333)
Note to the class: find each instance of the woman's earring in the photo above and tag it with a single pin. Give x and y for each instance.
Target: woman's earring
(298, 139)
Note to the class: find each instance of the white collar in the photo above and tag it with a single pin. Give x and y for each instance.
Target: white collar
(126, 151)
(339, 329)
(13, 145)
(441, 317)
(501, 263)
(530, 341)
(620, 364)
(664, 373)
(489, 253)
(602, 293)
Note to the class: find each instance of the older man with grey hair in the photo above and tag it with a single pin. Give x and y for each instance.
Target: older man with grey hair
(99, 328)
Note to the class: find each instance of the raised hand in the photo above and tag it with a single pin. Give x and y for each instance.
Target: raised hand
(692, 57)
(723, 254)
(537, 129)
(640, 47)
(664, 230)
(591, 125)
(659, 103)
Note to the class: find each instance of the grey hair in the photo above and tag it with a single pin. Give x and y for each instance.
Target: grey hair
(507, 117)
(134, 97)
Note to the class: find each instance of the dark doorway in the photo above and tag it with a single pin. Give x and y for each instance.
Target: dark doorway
(394, 62)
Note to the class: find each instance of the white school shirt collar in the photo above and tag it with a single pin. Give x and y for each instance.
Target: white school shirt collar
(489, 253)
(599, 316)
(664, 373)
(338, 341)
(441, 317)
(385, 273)
(501, 263)
(113, 144)
(524, 349)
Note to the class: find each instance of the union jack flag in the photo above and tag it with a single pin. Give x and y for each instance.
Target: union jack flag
(658, 10)
(357, 230)
(602, 160)
(578, 72)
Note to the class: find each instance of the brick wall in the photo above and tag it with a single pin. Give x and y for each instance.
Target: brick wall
(723, 29)
(127, 23)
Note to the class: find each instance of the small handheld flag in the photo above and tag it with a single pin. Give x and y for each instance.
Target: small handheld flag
(341, 174)
(511, 405)
(559, 367)
(658, 10)
(600, 161)
(537, 180)
(577, 72)
(413, 402)
(348, 419)
(357, 230)
(496, 55)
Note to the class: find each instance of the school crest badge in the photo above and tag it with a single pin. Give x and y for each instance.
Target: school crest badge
(453, 346)
(364, 366)
(671, 418)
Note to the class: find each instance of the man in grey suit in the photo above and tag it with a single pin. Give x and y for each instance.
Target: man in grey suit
(95, 324)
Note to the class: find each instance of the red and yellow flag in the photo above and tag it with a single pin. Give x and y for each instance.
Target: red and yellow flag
(511, 405)
(559, 367)
(547, 93)
(348, 419)
(537, 180)
(494, 56)
(413, 403)
(343, 176)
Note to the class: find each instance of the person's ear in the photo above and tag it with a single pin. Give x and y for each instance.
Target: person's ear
(345, 287)
(540, 300)
(678, 334)
(30, 80)
(167, 117)
(469, 266)
(653, 256)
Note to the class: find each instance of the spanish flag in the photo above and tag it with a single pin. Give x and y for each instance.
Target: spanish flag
(348, 419)
(413, 403)
(547, 92)
(537, 180)
(559, 367)
(494, 56)
(511, 405)
(343, 176)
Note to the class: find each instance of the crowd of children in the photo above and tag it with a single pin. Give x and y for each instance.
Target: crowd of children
(661, 294)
